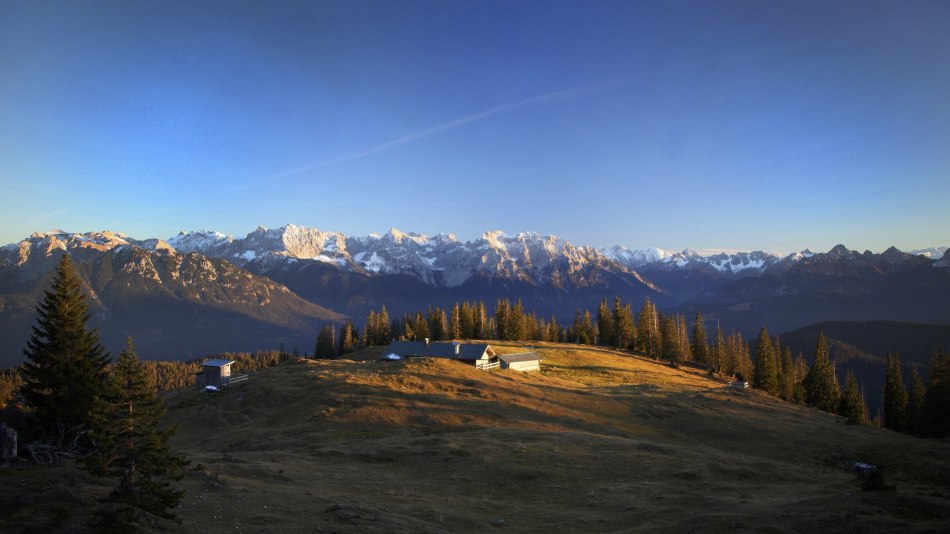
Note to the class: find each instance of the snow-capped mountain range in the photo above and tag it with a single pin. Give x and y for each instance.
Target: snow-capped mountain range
(275, 285)
(442, 260)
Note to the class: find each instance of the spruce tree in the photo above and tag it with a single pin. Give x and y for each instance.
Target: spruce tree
(936, 414)
(65, 368)
(801, 371)
(700, 348)
(915, 403)
(131, 446)
(326, 342)
(348, 338)
(648, 329)
(516, 324)
(820, 384)
(787, 376)
(852, 402)
(895, 396)
(719, 351)
(605, 326)
(765, 372)
(455, 322)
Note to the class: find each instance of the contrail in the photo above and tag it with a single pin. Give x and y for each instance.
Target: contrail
(461, 121)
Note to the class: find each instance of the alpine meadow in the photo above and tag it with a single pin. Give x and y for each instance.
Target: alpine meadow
(722, 305)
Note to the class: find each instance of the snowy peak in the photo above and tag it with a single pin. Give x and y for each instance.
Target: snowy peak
(634, 258)
(201, 240)
(943, 262)
(933, 253)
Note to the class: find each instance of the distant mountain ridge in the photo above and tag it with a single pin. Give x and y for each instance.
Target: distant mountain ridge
(174, 305)
(288, 280)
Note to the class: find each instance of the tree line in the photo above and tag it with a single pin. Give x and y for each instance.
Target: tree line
(924, 410)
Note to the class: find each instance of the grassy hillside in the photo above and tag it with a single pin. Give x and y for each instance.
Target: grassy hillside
(598, 441)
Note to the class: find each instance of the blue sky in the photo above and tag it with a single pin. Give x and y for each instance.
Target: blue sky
(736, 125)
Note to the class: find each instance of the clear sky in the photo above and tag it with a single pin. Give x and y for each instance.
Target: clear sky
(707, 124)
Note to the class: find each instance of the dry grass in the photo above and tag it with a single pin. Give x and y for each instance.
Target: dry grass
(598, 441)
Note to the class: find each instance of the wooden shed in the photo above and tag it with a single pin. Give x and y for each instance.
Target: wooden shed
(217, 373)
(526, 361)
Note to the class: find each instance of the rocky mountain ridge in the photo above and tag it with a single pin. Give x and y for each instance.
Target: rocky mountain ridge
(173, 304)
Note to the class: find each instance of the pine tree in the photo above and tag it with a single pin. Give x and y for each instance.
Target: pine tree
(436, 321)
(915, 404)
(481, 322)
(670, 343)
(936, 414)
(422, 327)
(65, 368)
(348, 338)
(587, 329)
(852, 402)
(605, 327)
(384, 335)
(820, 384)
(801, 371)
(719, 351)
(467, 320)
(408, 327)
(131, 446)
(455, 322)
(787, 376)
(765, 372)
(895, 396)
(516, 322)
(648, 328)
(502, 311)
(326, 342)
(700, 349)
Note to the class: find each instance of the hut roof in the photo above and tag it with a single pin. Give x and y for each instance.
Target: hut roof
(441, 349)
(216, 363)
(522, 357)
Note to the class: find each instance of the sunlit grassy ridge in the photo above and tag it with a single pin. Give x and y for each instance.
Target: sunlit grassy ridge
(597, 441)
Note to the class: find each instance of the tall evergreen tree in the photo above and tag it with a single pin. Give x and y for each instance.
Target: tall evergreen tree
(895, 396)
(502, 312)
(436, 320)
(787, 376)
(516, 322)
(719, 351)
(648, 329)
(65, 368)
(670, 342)
(131, 446)
(408, 327)
(765, 371)
(481, 322)
(455, 322)
(915, 403)
(801, 371)
(936, 415)
(852, 402)
(348, 338)
(422, 327)
(700, 347)
(467, 321)
(383, 334)
(605, 327)
(326, 342)
(820, 384)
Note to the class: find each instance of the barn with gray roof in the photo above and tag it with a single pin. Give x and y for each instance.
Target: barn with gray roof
(481, 355)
